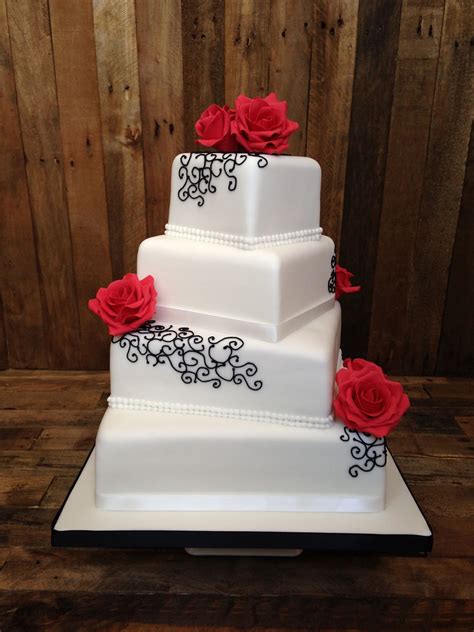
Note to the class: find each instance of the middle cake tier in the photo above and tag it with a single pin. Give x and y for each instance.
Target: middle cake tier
(265, 294)
(169, 368)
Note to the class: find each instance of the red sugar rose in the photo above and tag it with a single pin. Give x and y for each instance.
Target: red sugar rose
(367, 400)
(125, 304)
(214, 128)
(343, 282)
(262, 125)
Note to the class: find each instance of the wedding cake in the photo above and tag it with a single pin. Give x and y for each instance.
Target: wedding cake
(228, 390)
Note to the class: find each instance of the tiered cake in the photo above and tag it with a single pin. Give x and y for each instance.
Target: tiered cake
(224, 400)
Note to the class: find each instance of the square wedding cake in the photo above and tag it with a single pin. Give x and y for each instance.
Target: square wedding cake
(225, 349)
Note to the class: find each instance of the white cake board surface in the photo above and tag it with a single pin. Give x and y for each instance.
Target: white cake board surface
(400, 528)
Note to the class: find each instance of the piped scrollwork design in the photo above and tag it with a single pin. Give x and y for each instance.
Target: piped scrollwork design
(198, 172)
(367, 450)
(214, 361)
(332, 277)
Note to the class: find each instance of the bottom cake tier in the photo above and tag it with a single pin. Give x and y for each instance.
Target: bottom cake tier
(148, 460)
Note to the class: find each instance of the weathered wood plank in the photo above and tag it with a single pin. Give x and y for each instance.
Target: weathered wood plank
(66, 439)
(54, 462)
(76, 79)
(3, 339)
(247, 48)
(330, 100)
(54, 380)
(20, 489)
(58, 611)
(57, 492)
(175, 572)
(161, 90)
(203, 57)
(21, 297)
(20, 526)
(291, 27)
(442, 187)
(117, 68)
(454, 390)
(377, 43)
(39, 116)
(390, 336)
(34, 417)
(456, 350)
(45, 400)
(18, 438)
(226, 613)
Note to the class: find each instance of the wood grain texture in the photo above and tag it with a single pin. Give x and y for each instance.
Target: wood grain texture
(456, 352)
(330, 100)
(117, 69)
(391, 337)
(381, 90)
(20, 288)
(442, 185)
(203, 61)
(162, 107)
(68, 589)
(247, 48)
(291, 27)
(78, 101)
(377, 43)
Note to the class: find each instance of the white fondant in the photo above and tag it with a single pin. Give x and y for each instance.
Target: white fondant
(244, 243)
(158, 461)
(242, 328)
(282, 197)
(269, 286)
(297, 375)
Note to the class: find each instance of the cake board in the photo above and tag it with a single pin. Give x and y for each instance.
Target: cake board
(401, 528)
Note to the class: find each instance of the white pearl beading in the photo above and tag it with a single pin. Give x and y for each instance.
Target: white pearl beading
(245, 243)
(224, 413)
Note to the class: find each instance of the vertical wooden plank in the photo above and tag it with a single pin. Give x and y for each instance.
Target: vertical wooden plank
(3, 339)
(420, 35)
(329, 115)
(203, 58)
(377, 41)
(76, 78)
(247, 48)
(117, 68)
(291, 26)
(161, 90)
(39, 117)
(22, 317)
(442, 187)
(456, 351)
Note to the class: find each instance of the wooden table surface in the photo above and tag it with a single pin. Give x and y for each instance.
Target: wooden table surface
(48, 422)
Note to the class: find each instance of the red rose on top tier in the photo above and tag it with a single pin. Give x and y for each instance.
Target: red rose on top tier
(262, 125)
(125, 304)
(214, 128)
(343, 282)
(367, 400)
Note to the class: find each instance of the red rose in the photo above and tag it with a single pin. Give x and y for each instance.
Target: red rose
(214, 128)
(125, 304)
(367, 400)
(262, 125)
(343, 282)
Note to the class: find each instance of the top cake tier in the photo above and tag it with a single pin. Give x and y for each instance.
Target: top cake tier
(245, 200)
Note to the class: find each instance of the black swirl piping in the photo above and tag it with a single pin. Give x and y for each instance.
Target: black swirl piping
(332, 277)
(369, 451)
(214, 361)
(198, 178)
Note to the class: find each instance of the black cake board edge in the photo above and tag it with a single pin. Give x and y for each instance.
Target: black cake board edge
(90, 533)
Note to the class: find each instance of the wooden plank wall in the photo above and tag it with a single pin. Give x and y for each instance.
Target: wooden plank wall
(97, 96)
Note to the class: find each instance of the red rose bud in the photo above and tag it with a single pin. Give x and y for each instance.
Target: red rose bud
(214, 128)
(343, 282)
(262, 125)
(125, 304)
(367, 400)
